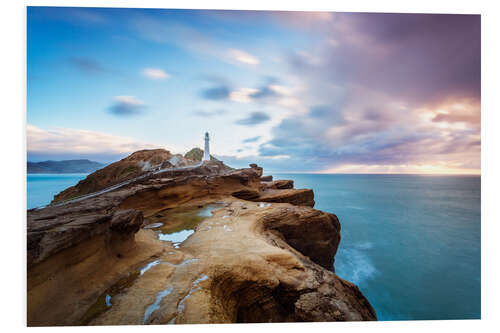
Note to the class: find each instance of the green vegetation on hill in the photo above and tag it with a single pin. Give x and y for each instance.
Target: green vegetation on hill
(196, 154)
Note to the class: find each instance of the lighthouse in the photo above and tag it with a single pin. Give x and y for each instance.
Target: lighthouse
(206, 155)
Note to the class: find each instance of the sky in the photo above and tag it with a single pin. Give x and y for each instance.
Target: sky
(321, 92)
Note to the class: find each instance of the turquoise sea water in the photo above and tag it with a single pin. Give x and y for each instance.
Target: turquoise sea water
(43, 187)
(411, 243)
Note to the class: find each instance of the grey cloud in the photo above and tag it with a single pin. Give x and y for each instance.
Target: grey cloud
(253, 139)
(87, 65)
(217, 93)
(329, 113)
(123, 109)
(209, 114)
(416, 57)
(255, 118)
(265, 91)
(381, 69)
(271, 164)
(360, 141)
(457, 118)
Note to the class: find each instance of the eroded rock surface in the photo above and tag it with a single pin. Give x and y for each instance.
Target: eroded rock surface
(281, 184)
(304, 197)
(264, 255)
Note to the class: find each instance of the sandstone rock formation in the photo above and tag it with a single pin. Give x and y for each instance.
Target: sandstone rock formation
(281, 184)
(264, 255)
(132, 166)
(266, 178)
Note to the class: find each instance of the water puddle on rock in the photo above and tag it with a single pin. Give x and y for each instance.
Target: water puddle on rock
(176, 225)
(156, 305)
(104, 302)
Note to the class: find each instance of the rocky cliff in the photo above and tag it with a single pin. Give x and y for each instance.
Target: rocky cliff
(136, 164)
(263, 254)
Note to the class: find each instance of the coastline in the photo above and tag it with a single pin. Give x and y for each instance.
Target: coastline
(245, 242)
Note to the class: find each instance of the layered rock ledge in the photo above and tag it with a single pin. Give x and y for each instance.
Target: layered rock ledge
(263, 255)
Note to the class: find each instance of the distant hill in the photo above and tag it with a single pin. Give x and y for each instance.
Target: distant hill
(67, 166)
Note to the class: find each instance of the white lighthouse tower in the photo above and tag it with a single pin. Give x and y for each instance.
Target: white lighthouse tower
(206, 155)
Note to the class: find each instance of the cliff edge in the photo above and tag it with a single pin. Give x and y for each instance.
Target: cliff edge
(204, 245)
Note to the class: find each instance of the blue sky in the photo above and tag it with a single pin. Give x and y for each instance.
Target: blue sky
(292, 91)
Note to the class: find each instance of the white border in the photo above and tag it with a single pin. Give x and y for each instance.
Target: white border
(13, 189)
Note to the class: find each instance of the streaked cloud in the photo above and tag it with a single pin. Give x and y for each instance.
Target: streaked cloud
(155, 73)
(209, 114)
(379, 101)
(217, 93)
(267, 91)
(73, 15)
(190, 37)
(459, 111)
(243, 57)
(88, 65)
(243, 95)
(69, 142)
(436, 168)
(255, 118)
(335, 91)
(126, 106)
(253, 139)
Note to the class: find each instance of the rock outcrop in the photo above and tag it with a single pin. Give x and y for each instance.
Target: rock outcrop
(132, 166)
(265, 255)
(196, 154)
(138, 163)
(303, 197)
(266, 178)
(281, 184)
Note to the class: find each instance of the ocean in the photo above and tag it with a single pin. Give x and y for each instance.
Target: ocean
(411, 243)
(42, 187)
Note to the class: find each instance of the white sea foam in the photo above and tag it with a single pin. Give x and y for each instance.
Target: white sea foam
(364, 245)
(354, 265)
